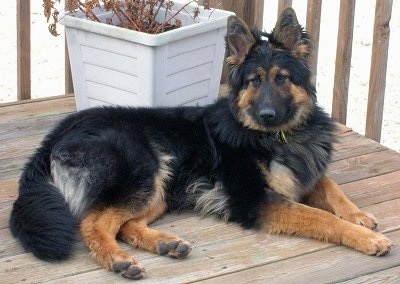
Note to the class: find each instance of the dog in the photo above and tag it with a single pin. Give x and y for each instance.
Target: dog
(256, 157)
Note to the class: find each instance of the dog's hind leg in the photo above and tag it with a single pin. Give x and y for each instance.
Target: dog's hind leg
(136, 233)
(282, 216)
(328, 196)
(99, 230)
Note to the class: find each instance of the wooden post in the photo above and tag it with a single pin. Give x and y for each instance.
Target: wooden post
(377, 79)
(343, 60)
(282, 4)
(251, 11)
(313, 26)
(23, 50)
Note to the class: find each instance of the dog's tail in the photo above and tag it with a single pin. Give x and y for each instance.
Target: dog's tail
(41, 218)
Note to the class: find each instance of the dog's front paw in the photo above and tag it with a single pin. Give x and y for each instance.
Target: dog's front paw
(362, 218)
(367, 241)
(379, 245)
(174, 249)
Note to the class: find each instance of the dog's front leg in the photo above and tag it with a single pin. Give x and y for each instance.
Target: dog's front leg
(328, 196)
(281, 216)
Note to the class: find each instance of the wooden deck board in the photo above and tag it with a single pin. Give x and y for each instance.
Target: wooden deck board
(322, 266)
(368, 172)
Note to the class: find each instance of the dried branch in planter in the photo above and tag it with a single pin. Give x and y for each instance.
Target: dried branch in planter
(138, 15)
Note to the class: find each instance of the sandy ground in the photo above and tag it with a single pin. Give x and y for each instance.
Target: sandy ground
(48, 60)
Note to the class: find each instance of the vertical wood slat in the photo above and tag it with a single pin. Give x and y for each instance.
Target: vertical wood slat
(343, 60)
(23, 50)
(313, 22)
(251, 11)
(255, 14)
(377, 79)
(282, 4)
(68, 85)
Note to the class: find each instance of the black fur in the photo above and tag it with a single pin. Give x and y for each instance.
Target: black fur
(112, 154)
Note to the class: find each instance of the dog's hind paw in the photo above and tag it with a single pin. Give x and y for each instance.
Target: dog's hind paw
(362, 218)
(129, 269)
(174, 249)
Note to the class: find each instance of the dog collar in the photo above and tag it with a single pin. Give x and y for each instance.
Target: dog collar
(281, 137)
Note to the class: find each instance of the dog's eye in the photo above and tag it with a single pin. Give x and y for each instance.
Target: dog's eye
(280, 79)
(255, 82)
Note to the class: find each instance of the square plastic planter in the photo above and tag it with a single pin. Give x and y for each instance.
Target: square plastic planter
(115, 66)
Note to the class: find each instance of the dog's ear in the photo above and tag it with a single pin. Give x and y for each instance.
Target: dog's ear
(239, 41)
(290, 34)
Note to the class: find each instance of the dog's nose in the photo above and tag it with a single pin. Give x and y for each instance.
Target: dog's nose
(267, 114)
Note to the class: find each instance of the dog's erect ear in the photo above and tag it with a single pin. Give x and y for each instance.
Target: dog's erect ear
(239, 41)
(290, 34)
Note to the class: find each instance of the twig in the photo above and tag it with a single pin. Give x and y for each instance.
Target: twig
(173, 16)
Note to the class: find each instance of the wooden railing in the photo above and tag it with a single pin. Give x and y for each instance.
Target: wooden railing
(252, 12)
(23, 49)
(379, 59)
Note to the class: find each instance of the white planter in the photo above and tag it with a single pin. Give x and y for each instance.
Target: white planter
(115, 66)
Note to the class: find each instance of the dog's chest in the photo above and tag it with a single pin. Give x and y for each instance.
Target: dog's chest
(280, 179)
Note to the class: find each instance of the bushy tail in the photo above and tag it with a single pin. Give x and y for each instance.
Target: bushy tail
(41, 218)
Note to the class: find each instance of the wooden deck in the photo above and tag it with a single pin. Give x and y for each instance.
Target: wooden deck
(369, 174)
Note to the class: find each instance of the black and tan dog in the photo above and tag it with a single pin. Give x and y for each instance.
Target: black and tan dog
(257, 157)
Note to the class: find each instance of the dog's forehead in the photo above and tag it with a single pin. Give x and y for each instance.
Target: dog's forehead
(265, 57)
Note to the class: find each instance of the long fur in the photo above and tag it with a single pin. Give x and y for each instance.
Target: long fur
(215, 159)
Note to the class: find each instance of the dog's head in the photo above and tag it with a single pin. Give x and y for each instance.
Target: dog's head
(270, 81)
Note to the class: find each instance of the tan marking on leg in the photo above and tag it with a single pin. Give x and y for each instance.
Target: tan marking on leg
(328, 196)
(135, 231)
(157, 205)
(99, 229)
(137, 234)
(301, 220)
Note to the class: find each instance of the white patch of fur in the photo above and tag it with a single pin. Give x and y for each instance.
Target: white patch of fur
(72, 183)
(281, 179)
(164, 173)
(208, 200)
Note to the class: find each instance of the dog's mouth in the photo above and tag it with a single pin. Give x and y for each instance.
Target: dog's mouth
(283, 120)
(269, 117)
(261, 123)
